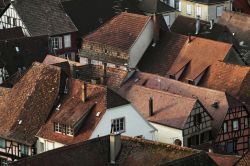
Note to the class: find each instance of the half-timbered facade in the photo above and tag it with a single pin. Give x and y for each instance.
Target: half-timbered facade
(234, 134)
(179, 120)
(38, 18)
(230, 131)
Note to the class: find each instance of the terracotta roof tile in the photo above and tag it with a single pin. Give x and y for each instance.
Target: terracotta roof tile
(159, 59)
(169, 109)
(120, 32)
(28, 104)
(245, 160)
(207, 97)
(233, 79)
(224, 160)
(200, 53)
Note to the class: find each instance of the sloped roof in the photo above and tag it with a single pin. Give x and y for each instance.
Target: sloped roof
(207, 97)
(73, 108)
(11, 33)
(133, 152)
(245, 159)
(224, 160)
(45, 17)
(168, 109)
(242, 6)
(27, 106)
(200, 53)
(87, 15)
(237, 23)
(120, 32)
(218, 32)
(159, 59)
(233, 79)
(31, 49)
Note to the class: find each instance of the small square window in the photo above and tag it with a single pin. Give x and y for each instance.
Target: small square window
(235, 124)
(197, 119)
(118, 125)
(2, 143)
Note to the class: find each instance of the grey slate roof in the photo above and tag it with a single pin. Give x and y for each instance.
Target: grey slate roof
(44, 17)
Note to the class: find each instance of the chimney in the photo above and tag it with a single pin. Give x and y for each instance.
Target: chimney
(197, 25)
(189, 38)
(156, 29)
(84, 91)
(211, 24)
(151, 111)
(115, 146)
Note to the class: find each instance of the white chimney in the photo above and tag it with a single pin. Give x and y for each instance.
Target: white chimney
(115, 146)
(211, 24)
(197, 25)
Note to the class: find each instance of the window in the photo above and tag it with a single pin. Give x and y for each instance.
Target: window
(194, 140)
(246, 123)
(178, 5)
(14, 21)
(189, 9)
(167, 20)
(235, 124)
(225, 127)
(198, 11)
(24, 150)
(118, 125)
(197, 119)
(69, 131)
(57, 127)
(8, 20)
(219, 10)
(205, 136)
(3, 162)
(67, 41)
(2, 143)
(56, 42)
(231, 146)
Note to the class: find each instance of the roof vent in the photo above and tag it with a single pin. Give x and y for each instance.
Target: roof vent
(98, 114)
(58, 107)
(19, 122)
(216, 104)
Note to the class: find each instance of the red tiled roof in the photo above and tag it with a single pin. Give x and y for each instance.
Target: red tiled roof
(99, 99)
(28, 104)
(159, 59)
(224, 160)
(245, 160)
(169, 109)
(121, 32)
(200, 54)
(206, 96)
(233, 79)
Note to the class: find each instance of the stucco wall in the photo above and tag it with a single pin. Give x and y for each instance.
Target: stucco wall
(135, 124)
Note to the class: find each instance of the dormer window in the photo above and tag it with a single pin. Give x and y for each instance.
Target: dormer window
(63, 129)
(118, 125)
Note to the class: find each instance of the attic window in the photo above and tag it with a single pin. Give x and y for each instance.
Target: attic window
(63, 129)
(197, 119)
(118, 125)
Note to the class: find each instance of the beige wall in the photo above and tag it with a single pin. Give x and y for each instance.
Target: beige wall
(208, 11)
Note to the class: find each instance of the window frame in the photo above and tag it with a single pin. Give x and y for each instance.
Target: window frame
(223, 127)
(4, 143)
(56, 42)
(24, 150)
(246, 122)
(117, 129)
(198, 7)
(237, 123)
(67, 39)
(189, 7)
(197, 119)
(217, 11)
(69, 131)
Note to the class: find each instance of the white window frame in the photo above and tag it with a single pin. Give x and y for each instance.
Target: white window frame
(69, 131)
(56, 42)
(57, 127)
(219, 11)
(236, 127)
(118, 125)
(199, 11)
(67, 41)
(189, 9)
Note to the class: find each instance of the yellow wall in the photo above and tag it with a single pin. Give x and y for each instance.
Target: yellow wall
(208, 11)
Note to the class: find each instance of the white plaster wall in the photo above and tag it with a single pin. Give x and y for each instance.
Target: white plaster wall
(42, 140)
(135, 124)
(11, 12)
(167, 134)
(141, 45)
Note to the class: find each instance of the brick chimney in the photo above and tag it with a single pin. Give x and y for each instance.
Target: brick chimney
(156, 28)
(84, 91)
(115, 146)
(151, 111)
